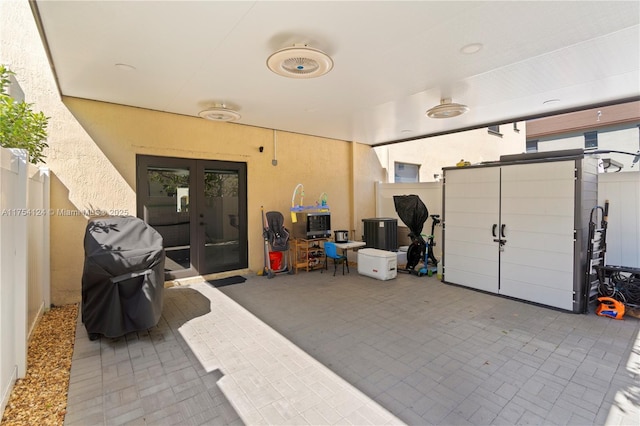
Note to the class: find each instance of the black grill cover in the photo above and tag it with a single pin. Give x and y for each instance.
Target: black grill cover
(123, 277)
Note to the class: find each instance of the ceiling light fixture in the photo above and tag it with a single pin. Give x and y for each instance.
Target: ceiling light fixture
(300, 61)
(472, 48)
(219, 113)
(446, 109)
(125, 67)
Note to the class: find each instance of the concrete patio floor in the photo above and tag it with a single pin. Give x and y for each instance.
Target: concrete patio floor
(312, 348)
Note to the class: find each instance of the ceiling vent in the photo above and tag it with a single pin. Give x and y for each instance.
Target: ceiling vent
(219, 113)
(300, 61)
(447, 109)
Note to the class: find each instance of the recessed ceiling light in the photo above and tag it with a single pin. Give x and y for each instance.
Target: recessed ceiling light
(446, 109)
(300, 61)
(219, 113)
(472, 48)
(125, 67)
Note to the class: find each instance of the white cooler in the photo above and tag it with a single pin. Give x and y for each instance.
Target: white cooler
(379, 264)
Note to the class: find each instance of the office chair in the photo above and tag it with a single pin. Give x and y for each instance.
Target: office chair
(331, 251)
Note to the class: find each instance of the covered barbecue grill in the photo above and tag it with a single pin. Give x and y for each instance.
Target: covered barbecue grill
(123, 277)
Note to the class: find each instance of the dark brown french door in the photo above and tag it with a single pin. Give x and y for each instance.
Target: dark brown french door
(200, 209)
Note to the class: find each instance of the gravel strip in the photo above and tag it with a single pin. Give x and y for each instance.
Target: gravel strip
(40, 398)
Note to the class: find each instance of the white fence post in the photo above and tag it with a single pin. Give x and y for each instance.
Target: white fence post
(21, 281)
(46, 260)
(37, 245)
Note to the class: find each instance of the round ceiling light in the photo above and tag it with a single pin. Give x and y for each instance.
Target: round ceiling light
(125, 67)
(472, 48)
(300, 61)
(551, 101)
(447, 109)
(219, 113)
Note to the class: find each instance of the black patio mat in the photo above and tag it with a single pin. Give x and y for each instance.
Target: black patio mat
(236, 279)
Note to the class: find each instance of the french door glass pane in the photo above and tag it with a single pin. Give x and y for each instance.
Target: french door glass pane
(221, 208)
(167, 211)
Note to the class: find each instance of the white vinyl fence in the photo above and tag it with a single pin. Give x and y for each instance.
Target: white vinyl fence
(623, 228)
(24, 261)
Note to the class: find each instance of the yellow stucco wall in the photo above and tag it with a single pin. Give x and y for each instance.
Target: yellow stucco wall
(95, 171)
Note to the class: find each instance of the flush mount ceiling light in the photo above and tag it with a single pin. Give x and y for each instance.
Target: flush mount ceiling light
(300, 61)
(472, 48)
(219, 113)
(125, 67)
(447, 109)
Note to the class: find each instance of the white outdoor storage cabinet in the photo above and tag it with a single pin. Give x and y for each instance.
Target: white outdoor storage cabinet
(379, 264)
(519, 227)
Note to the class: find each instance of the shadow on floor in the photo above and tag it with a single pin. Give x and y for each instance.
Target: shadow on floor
(147, 377)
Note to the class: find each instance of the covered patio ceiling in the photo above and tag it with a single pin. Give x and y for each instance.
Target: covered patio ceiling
(392, 60)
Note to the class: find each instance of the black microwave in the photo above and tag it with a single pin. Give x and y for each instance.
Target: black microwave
(312, 225)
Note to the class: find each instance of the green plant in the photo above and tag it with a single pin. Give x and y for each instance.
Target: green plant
(20, 126)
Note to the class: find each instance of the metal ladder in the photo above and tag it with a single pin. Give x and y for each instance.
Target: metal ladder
(596, 250)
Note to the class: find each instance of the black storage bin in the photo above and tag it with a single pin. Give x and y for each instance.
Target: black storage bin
(123, 276)
(381, 233)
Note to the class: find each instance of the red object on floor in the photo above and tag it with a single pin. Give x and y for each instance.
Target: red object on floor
(275, 260)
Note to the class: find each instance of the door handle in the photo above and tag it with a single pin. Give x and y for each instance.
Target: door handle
(493, 230)
(502, 230)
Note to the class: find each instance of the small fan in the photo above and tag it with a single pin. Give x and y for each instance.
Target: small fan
(300, 61)
(447, 109)
(219, 113)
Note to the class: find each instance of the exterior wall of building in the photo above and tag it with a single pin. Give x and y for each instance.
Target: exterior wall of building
(432, 154)
(585, 120)
(618, 128)
(93, 146)
(624, 138)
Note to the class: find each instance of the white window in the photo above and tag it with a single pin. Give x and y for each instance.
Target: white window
(405, 172)
(591, 140)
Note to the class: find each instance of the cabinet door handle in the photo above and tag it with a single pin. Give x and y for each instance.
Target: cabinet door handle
(502, 230)
(493, 229)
